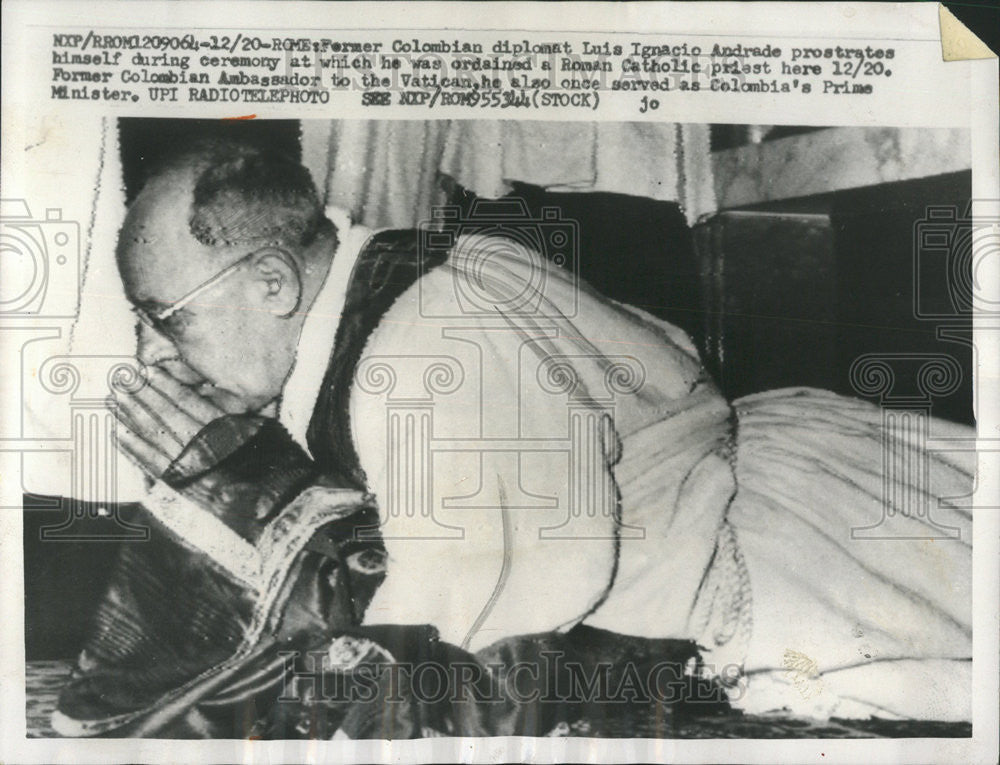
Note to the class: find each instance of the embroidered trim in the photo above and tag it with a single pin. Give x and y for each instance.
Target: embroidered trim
(264, 567)
(204, 532)
(289, 532)
(723, 607)
(254, 566)
(723, 610)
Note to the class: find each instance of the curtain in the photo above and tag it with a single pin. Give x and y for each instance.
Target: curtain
(388, 174)
(383, 173)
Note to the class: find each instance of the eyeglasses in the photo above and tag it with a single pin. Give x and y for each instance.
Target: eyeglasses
(159, 319)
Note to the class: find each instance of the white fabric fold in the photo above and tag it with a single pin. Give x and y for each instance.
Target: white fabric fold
(319, 330)
(490, 407)
(504, 415)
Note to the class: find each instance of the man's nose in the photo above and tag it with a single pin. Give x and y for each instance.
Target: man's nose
(153, 347)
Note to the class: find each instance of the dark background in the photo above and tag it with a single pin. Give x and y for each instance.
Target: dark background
(143, 148)
(982, 17)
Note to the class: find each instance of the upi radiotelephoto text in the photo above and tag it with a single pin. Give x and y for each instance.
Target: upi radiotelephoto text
(426, 74)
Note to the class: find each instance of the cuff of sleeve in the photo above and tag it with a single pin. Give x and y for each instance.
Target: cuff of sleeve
(254, 565)
(201, 530)
(247, 487)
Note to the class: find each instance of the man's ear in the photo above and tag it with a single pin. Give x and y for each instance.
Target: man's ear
(276, 281)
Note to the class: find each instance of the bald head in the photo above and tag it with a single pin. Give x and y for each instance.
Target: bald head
(221, 198)
(158, 256)
(211, 208)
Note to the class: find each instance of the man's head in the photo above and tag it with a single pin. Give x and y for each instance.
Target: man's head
(222, 253)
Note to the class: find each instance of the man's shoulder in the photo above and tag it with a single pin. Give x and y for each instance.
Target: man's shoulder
(400, 240)
(389, 262)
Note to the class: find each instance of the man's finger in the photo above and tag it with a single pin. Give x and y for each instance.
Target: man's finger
(196, 406)
(167, 411)
(144, 421)
(141, 453)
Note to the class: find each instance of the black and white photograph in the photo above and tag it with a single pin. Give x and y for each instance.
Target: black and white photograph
(401, 427)
(554, 448)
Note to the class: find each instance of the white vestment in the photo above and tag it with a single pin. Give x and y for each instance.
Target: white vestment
(543, 456)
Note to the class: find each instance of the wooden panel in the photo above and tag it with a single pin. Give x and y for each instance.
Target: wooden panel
(770, 288)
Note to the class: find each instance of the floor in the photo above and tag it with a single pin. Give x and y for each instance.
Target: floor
(45, 678)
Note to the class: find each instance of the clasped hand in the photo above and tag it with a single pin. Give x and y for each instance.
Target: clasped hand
(158, 421)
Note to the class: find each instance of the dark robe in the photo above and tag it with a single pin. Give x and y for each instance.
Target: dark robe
(180, 649)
